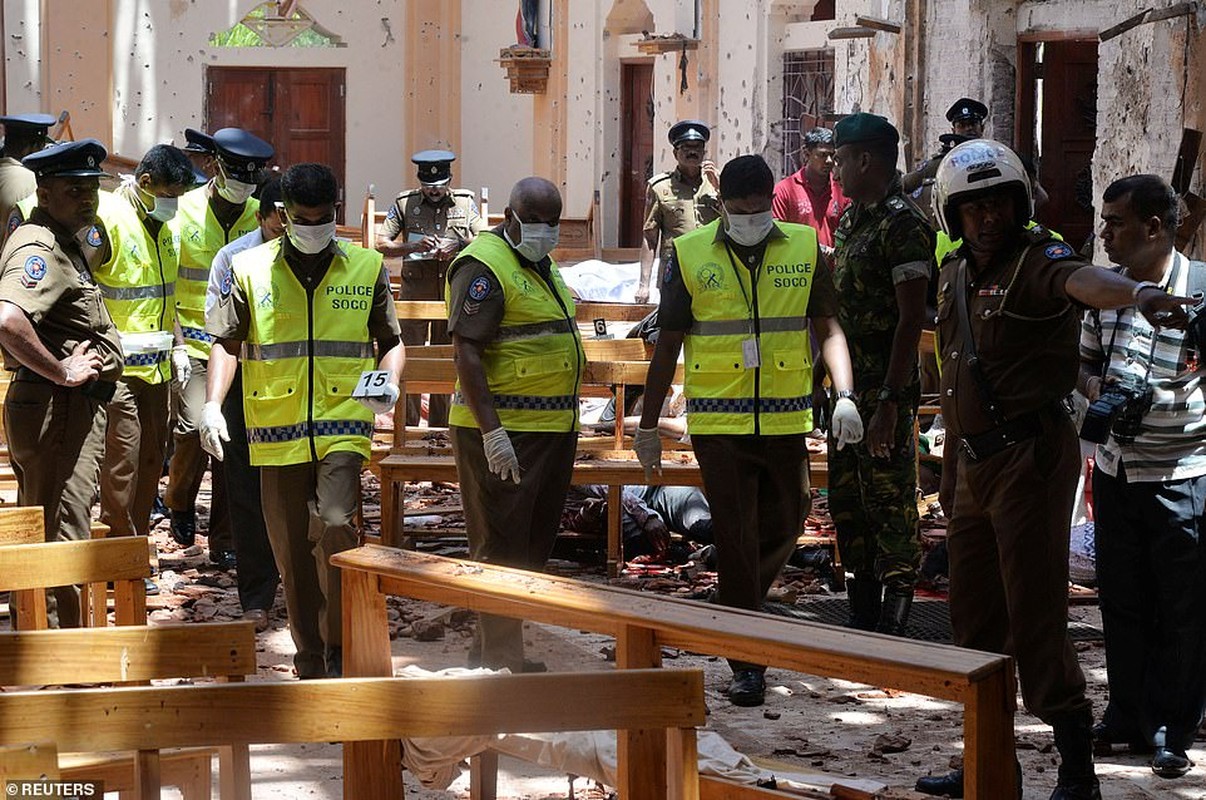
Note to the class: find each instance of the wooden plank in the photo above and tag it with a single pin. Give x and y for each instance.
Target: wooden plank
(128, 653)
(1124, 26)
(420, 309)
(641, 753)
(614, 349)
(147, 782)
(36, 566)
(851, 33)
(876, 24)
(935, 670)
(589, 311)
(987, 735)
(22, 525)
(714, 788)
(369, 709)
(29, 762)
(189, 770)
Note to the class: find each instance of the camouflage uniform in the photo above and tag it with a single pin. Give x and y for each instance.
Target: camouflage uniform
(873, 501)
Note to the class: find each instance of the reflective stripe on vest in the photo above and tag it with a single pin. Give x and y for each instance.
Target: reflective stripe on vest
(201, 237)
(304, 355)
(138, 281)
(723, 396)
(534, 365)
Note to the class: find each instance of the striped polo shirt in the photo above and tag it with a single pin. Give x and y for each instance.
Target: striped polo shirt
(1172, 441)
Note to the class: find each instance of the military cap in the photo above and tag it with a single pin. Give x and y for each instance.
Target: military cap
(435, 166)
(29, 124)
(966, 108)
(80, 159)
(242, 153)
(689, 130)
(198, 142)
(864, 127)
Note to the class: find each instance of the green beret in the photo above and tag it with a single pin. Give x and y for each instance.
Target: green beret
(863, 127)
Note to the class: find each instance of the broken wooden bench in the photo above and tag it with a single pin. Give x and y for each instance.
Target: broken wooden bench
(642, 624)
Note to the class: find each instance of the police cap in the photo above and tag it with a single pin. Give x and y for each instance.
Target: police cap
(243, 154)
(80, 159)
(864, 127)
(29, 125)
(198, 142)
(689, 130)
(435, 166)
(966, 108)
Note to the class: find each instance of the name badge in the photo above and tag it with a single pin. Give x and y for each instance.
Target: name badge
(750, 357)
(372, 383)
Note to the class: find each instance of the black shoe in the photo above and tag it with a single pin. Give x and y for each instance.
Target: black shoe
(1169, 763)
(184, 527)
(1105, 737)
(865, 595)
(748, 688)
(151, 586)
(1074, 740)
(334, 660)
(948, 785)
(894, 612)
(224, 559)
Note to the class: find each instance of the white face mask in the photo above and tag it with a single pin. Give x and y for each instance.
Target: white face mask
(165, 208)
(536, 239)
(233, 191)
(749, 229)
(311, 239)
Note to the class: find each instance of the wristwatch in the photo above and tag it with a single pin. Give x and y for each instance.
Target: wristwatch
(845, 394)
(1140, 286)
(890, 395)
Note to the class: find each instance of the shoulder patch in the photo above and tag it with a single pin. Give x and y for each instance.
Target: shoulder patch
(1057, 251)
(479, 288)
(15, 218)
(93, 237)
(35, 268)
(227, 283)
(392, 213)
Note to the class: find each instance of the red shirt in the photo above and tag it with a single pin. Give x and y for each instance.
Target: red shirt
(795, 202)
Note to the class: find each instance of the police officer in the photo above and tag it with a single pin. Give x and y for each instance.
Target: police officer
(23, 134)
(966, 117)
(884, 259)
(740, 296)
(514, 419)
(1009, 303)
(137, 278)
(58, 336)
(209, 218)
(428, 226)
(680, 200)
(307, 433)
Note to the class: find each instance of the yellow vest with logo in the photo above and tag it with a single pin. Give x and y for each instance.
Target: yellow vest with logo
(201, 237)
(304, 355)
(138, 281)
(534, 364)
(730, 306)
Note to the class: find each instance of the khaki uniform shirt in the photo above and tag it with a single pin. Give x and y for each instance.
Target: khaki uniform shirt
(43, 272)
(674, 207)
(1026, 331)
(16, 184)
(413, 215)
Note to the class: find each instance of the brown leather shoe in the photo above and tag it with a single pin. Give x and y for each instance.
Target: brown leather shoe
(259, 616)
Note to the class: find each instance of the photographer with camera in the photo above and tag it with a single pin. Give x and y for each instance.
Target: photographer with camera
(1149, 482)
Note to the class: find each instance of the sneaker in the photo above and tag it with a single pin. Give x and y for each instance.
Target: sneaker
(748, 688)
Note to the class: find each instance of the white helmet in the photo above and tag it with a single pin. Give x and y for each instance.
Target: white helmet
(972, 168)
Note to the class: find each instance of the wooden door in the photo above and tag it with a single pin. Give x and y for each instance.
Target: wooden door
(299, 111)
(1061, 78)
(636, 148)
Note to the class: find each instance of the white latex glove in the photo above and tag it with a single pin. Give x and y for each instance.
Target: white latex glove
(213, 429)
(384, 402)
(500, 454)
(648, 447)
(182, 370)
(846, 424)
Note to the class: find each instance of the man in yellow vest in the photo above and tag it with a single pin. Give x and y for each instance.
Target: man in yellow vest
(739, 294)
(209, 218)
(514, 417)
(136, 272)
(306, 310)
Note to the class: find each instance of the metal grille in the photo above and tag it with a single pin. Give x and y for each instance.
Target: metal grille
(807, 98)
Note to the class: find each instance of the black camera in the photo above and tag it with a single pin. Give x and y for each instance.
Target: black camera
(1119, 410)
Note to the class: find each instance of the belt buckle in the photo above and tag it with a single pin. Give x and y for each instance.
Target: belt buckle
(967, 449)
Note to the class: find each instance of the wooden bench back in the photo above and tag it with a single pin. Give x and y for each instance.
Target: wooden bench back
(28, 762)
(24, 525)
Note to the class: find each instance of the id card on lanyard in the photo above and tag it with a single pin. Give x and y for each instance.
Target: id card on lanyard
(751, 356)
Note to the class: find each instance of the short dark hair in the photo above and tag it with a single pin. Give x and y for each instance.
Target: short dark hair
(309, 185)
(167, 166)
(1150, 196)
(817, 137)
(883, 151)
(270, 194)
(747, 176)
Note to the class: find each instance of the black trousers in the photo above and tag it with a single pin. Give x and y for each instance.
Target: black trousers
(1151, 573)
(256, 573)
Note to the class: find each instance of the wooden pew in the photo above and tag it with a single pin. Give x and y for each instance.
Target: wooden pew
(643, 624)
(664, 703)
(133, 654)
(28, 762)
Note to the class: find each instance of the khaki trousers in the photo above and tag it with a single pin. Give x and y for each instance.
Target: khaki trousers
(55, 439)
(310, 512)
(135, 442)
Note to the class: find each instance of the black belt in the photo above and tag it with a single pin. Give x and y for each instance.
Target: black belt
(101, 391)
(1017, 430)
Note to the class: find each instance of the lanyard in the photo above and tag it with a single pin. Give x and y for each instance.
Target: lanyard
(1173, 277)
(754, 276)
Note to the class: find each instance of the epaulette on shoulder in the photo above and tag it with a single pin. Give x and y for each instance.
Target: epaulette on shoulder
(409, 193)
(464, 193)
(658, 178)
